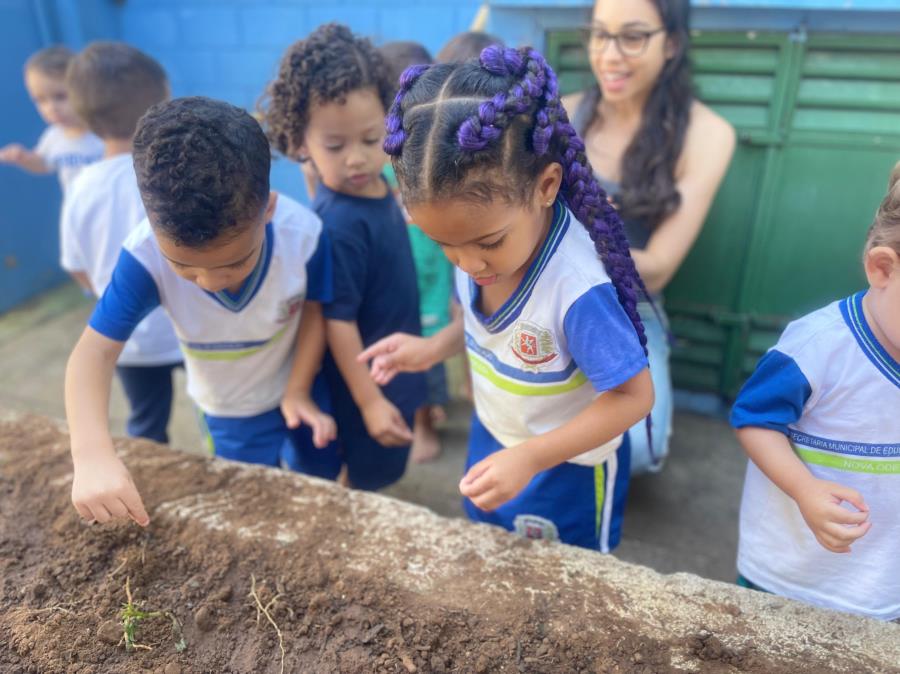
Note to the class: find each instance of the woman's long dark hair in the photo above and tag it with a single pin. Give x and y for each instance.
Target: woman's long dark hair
(647, 189)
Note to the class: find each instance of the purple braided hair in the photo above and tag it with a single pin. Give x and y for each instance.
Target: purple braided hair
(473, 140)
(393, 123)
(537, 86)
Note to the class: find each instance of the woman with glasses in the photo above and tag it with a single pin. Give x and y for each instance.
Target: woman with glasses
(660, 153)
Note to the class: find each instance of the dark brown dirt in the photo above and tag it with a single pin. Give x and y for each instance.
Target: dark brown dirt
(63, 587)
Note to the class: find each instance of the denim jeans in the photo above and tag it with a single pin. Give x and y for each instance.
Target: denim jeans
(647, 455)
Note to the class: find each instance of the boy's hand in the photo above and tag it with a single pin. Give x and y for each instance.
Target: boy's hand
(103, 490)
(13, 154)
(495, 480)
(833, 526)
(400, 352)
(385, 423)
(299, 408)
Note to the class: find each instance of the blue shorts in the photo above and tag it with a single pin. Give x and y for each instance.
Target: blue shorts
(370, 465)
(263, 438)
(579, 505)
(149, 392)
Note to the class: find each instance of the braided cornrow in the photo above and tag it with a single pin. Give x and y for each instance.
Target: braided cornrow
(445, 141)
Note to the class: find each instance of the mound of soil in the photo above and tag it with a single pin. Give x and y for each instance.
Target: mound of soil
(245, 569)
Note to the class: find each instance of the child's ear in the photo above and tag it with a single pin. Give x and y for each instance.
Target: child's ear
(547, 186)
(270, 207)
(880, 263)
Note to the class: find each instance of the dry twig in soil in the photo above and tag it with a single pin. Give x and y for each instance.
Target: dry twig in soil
(265, 611)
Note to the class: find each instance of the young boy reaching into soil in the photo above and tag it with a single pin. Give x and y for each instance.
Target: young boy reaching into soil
(819, 420)
(240, 270)
(490, 168)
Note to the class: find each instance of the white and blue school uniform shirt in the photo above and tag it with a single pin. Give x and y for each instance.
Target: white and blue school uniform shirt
(67, 156)
(238, 348)
(102, 207)
(834, 391)
(557, 343)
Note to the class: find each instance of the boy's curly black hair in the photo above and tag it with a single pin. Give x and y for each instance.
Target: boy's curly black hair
(202, 168)
(324, 67)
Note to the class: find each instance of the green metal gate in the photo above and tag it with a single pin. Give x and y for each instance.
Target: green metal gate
(818, 121)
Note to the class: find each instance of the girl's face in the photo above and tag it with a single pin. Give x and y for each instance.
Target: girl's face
(495, 242)
(343, 140)
(627, 68)
(50, 98)
(883, 298)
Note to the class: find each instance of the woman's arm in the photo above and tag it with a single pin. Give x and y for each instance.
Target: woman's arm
(709, 146)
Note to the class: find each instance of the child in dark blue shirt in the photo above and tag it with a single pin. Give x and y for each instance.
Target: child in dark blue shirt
(327, 106)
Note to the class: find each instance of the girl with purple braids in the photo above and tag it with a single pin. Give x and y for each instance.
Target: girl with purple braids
(490, 168)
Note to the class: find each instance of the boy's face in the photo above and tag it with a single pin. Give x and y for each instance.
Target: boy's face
(219, 265)
(51, 98)
(344, 143)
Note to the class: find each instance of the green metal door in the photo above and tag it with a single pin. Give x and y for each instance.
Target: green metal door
(818, 121)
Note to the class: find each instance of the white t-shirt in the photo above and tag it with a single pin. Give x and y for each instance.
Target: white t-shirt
(68, 156)
(102, 207)
(238, 348)
(557, 343)
(834, 391)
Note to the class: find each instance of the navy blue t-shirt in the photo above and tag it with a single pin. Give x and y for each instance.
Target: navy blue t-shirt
(374, 283)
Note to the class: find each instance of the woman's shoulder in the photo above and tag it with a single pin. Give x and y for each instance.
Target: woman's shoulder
(707, 127)
(709, 138)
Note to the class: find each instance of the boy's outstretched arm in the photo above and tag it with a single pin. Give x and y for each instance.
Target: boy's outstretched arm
(501, 476)
(402, 352)
(21, 156)
(297, 405)
(102, 488)
(383, 420)
(819, 500)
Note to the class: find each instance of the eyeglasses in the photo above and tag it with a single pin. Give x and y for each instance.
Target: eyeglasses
(628, 42)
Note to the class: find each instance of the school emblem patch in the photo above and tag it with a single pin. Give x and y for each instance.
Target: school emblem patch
(533, 345)
(289, 308)
(536, 527)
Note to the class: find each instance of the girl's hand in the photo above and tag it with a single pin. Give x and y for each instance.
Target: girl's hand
(385, 423)
(500, 477)
(103, 490)
(400, 352)
(299, 408)
(833, 526)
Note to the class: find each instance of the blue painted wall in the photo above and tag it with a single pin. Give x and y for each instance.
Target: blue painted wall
(29, 237)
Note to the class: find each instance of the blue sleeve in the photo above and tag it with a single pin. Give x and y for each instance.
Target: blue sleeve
(774, 396)
(350, 255)
(320, 272)
(129, 297)
(602, 339)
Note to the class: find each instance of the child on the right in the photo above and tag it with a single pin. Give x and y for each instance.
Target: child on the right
(66, 146)
(820, 421)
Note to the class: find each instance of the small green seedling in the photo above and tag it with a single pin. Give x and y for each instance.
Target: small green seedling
(132, 615)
